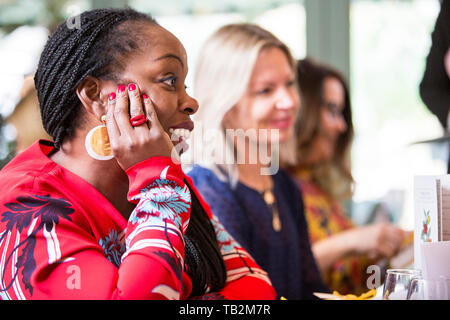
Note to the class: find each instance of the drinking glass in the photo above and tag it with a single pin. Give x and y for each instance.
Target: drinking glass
(436, 289)
(397, 283)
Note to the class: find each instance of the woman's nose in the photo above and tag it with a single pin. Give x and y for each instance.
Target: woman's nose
(342, 124)
(189, 105)
(287, 99)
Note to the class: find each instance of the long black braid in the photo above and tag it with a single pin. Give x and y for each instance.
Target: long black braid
(73, 53)
(99, 48)
(203, 256)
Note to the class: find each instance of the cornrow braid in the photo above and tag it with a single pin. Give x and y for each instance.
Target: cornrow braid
(99, 49)
(71, 54)
(203, 252)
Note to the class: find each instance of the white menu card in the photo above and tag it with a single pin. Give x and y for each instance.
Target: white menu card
(431, 220)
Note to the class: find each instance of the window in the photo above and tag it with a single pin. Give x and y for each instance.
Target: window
(389, 44)
(194, 21)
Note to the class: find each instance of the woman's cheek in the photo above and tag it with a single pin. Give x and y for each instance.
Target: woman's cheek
(165, 106)
(261, 116)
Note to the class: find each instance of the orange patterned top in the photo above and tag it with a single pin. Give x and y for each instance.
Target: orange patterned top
(326, 217)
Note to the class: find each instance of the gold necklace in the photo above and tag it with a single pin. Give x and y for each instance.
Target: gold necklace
(269, 199)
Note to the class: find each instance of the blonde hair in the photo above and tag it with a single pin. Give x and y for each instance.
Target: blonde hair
(222, 76)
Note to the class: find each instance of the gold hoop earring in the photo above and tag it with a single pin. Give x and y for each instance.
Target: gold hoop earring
(97, 142)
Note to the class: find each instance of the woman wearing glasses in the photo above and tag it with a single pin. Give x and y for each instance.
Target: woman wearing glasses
(324, 133)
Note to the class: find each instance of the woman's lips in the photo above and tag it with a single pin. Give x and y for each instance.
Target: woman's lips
(189, 125)
(283, 123)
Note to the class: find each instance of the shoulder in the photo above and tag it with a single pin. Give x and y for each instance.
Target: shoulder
(285, 180)
(28, 173)
(33, 187)
(216, 193)
(284, 174)
(23, 175)
(290, 192)
(199, 172)
(36, 198)
(205, 178)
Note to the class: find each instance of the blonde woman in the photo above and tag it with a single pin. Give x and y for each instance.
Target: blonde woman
(324, 133)
(246, 84)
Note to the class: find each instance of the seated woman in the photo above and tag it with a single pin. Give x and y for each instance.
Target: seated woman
(324, 133)
(95, 217)
(246, 85)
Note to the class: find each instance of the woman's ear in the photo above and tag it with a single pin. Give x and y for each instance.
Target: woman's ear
(90, 94)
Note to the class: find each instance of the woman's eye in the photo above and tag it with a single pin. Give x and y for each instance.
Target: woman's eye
(263, 91)
(290, 83)
(170, 81)
(334, 110)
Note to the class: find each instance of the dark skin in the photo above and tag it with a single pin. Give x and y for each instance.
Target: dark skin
(158, 71)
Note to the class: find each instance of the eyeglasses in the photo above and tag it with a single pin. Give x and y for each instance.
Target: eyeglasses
(334, 110)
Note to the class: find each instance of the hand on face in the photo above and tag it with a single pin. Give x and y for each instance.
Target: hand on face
(132, 144)
(160, 70)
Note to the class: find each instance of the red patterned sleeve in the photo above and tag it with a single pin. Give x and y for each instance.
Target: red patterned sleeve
(245, 279)
(47, 252)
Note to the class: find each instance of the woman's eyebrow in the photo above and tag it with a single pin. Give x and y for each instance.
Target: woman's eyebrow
(170, 55)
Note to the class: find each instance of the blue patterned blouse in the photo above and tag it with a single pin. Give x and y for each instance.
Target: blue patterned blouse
(286, 255)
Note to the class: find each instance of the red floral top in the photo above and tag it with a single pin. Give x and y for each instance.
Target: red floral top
(326, 217)
(61, 239)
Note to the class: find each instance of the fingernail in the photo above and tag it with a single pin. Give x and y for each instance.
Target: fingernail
(144, 96)
(112, 96)
(121, 88)
(131, 87)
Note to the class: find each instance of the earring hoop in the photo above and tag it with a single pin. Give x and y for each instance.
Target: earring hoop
(97, 142)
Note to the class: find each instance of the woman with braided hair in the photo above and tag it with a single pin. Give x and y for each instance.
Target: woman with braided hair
(105, 211)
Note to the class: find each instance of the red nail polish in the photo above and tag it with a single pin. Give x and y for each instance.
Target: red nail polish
(112, 96)
(131, 87)
(121, 88)
(144, 96)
